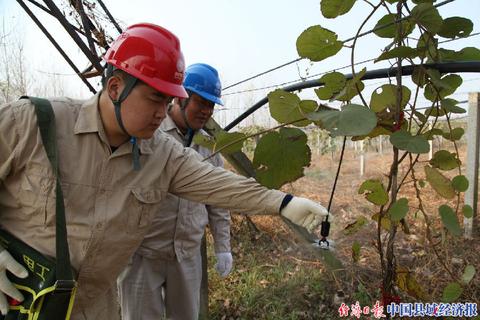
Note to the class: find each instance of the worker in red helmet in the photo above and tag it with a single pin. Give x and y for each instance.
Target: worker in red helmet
(115, 169)
(165, 273)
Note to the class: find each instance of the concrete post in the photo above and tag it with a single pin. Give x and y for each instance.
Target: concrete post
(473, 149)
(362, 157)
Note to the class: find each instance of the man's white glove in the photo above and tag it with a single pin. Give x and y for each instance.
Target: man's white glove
(224, 263)
(6, 287)
(305, 213)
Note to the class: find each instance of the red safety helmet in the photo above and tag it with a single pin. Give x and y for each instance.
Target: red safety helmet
(151, 54)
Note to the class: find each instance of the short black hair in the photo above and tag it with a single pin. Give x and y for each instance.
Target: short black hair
(107, 74)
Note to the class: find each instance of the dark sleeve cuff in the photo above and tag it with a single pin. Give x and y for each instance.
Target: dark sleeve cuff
(285, 201)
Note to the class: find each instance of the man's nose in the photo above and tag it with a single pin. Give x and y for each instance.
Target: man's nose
(207, 111)
(162, 111)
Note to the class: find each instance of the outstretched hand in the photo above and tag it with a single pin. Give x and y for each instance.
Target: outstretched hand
(305, 213)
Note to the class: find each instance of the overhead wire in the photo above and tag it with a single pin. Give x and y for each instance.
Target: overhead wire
(331, 70)
(345, 41)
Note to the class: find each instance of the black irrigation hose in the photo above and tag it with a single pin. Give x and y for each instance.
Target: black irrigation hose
(462, 67)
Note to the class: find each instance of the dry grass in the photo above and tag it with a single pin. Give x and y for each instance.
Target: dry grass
(279, 277)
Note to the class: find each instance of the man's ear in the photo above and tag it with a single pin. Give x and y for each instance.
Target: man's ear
(171, 105)
(114, 87)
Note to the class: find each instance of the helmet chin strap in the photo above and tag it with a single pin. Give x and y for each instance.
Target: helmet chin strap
(130, 83)
(187, 141)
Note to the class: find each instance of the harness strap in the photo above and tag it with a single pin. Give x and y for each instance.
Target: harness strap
(46, 123)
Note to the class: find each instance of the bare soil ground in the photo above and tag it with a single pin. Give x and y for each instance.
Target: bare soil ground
(292, 281)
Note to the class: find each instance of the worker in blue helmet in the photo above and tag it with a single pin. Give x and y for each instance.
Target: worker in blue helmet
(164, 277)
(204, 88)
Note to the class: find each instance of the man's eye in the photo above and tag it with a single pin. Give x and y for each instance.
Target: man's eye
(157, 100)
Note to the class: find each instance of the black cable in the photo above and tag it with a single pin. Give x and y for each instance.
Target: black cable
(468, 66)
(337, 175)
(331, 70)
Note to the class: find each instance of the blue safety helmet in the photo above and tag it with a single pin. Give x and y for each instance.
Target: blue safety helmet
(202, 79)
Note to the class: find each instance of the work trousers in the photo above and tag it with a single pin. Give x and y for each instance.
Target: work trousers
(151, 289)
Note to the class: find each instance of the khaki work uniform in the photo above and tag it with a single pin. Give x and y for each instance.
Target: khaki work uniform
(109, 206)
(165, 274)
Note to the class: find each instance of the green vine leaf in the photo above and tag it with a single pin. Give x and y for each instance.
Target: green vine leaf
(352, 88)
(419, 76)
(377, 131)
(427, 46)
(467, 211)
(356, 251)
(450, 105)
(423, 1)
(385, 222)
(468, 274)
(407, 282)
(398, 52)
(354, 227)
(435, 78)
(456, 27)
(352, 120)
(460, 183)
(452, 292)
(334, 8)
(445, 86)
(441, 184)
(306, 106)
(444, 160)
(454, 135)
(204, 141)
(317, 43)
(466, 54)
(422, 183)
(398, 210)
(374, 191)
(334, 82)
(391, 31)
(280, 157)
(431, 133)
(403, 140)
(449, 219)
(286, 107)
(224, 138)
(386, 97)
(350, 91)
(420, 117)
(435, 112)
(426, 15)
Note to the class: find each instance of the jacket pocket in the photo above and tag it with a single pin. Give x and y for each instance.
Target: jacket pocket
(37, 196)
(145, 204)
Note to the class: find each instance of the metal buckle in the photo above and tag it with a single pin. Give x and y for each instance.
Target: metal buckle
(65, 285)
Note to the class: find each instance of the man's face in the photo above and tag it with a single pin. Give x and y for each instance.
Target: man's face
(198, 111)
(144, 110)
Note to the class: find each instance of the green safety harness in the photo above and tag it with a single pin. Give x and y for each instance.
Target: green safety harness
(49, 289)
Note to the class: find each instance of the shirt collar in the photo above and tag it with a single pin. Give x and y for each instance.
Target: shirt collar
(90, 121)
(89, 117)
(169, 125)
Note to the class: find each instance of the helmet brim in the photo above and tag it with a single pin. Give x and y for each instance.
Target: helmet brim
(205, 95)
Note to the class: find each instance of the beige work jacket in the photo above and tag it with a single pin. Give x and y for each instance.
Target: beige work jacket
(179, 225)
(109, 206)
